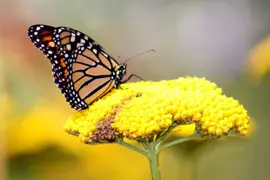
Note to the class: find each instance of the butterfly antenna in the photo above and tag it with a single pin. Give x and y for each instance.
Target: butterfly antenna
(133, 57)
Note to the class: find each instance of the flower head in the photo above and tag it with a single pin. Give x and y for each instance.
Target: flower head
(258, 60)
(145, 110)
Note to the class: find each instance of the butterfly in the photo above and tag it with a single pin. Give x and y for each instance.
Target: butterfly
(82, 69)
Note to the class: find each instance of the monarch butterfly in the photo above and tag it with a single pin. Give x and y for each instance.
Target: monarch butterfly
(81, 68)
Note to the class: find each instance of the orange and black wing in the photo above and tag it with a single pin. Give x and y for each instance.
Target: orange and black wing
(82, 69)
(42, 38)
(92, 73)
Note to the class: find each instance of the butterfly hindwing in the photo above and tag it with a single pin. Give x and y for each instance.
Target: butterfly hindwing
(73, 44)
(90, 77)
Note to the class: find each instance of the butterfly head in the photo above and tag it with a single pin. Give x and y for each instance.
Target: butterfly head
(120, 73)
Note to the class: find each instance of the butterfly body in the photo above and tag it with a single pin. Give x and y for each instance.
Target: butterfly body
(82, 69)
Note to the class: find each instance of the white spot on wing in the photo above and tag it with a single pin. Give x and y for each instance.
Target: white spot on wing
(82, 41)
(79, 44)
(72, 39)
(68, 46)
(90, 45)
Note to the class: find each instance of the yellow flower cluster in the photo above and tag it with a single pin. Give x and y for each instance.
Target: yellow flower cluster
(258, 64)
(144, 110)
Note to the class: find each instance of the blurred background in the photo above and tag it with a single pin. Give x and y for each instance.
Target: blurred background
(226, 41)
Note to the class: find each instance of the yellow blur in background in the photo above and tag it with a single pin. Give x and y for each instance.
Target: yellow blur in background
(221, 40)
(258, 64)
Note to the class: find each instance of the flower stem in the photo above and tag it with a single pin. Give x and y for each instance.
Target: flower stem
(151, 149)
(134, 148)
(177, 141)
(153, 161)
(150, 152)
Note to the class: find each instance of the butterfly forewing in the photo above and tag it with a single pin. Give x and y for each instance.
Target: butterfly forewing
(42, 38)
(68, 40)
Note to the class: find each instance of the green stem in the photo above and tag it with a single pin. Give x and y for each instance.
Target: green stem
(152, 149)
(150, 152)
(164, 135)
(153, 161)
(134, 148)
(172, 143)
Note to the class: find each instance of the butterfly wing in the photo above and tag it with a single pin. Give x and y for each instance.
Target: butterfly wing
(68, 40)
(42, 38)
(82, 69)
(90, 67)
(92, 74)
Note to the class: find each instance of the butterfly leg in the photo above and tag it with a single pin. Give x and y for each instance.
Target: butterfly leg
(132, 75)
